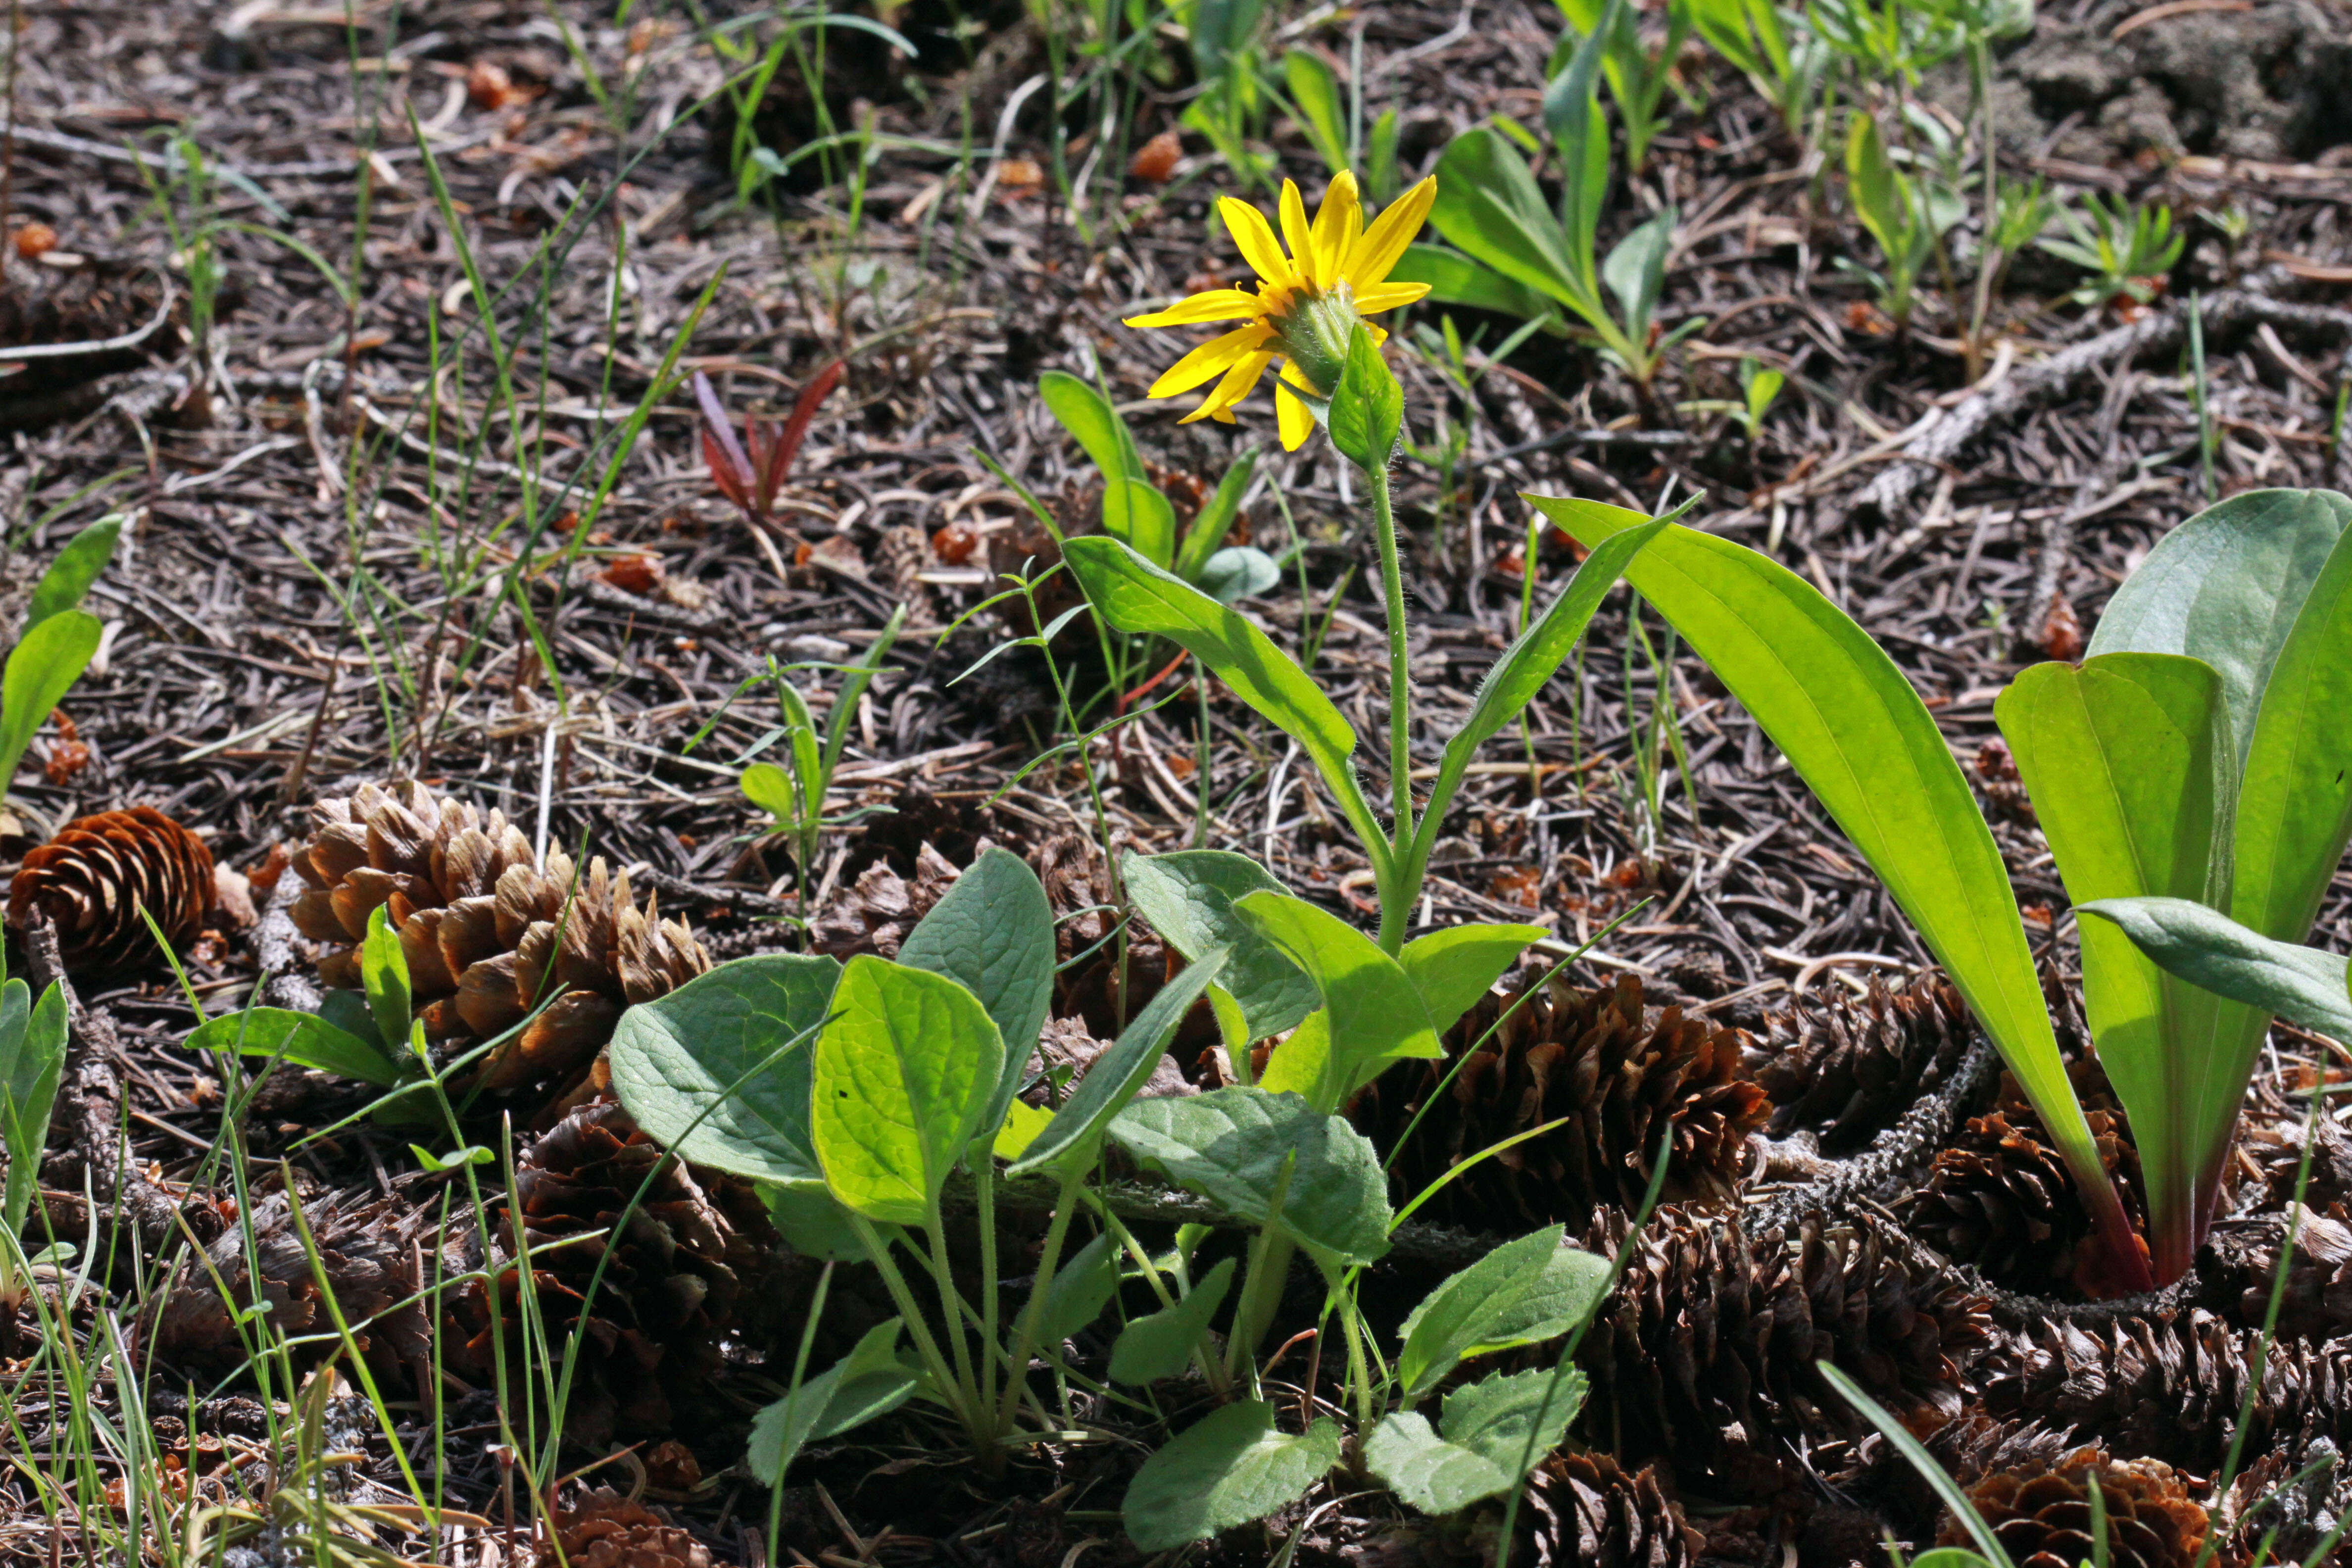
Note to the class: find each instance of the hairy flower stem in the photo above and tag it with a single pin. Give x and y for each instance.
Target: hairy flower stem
(1397, 899)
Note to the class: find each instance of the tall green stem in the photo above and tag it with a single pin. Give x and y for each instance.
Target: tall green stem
(1396, 901)
(1016, 1372)
(984, 1185)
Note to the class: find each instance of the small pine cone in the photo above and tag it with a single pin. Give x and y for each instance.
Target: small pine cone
(2240, 1265)
(94, 876)
(2270, 1141)
(372, 1252)
(2043, 1515)
(2268, 1497)
(482, 922)
(1843, 1069)
(1589, 1512)
(1967, 1450)
(2002, 1199)
(881, 907)
(1706, 1353)
(2173, 1389)
(694, 1262)
(1618, 1073)
(602, 1529)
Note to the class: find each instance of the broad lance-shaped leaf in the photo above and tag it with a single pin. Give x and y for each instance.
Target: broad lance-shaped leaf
(1375, 1014)
(2295, 800)
(2127, 760)
(2226, 587)
(32, 1062)
(1523, 1292)
(993, 930)
(1187, 896)
(76, 566)
(42, 667)
(869, 1382)
(1268, 1158)
(1231, 1466)
(1529, 663)
(1859, 736)
(718, 1071)
(1157, 1344)
(2209, 948)
(1117, 1076)
(1489, 207)
(1133, 510)
(303, 1038)
(1134, 595)
(1454, 967)
(905, 1072)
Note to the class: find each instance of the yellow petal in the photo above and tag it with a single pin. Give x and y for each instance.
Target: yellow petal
(1212, 358)
(1254, 236)
(1374, 255)
(1337, 223)
(1293, 418)
(1215, 305)
(1387, 297)
(1219, 404)
(1295, 232)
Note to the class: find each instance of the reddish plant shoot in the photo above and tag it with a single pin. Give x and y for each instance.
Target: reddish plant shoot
(751, 478)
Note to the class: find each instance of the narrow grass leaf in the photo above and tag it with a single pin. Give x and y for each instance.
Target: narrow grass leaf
(303, 1038)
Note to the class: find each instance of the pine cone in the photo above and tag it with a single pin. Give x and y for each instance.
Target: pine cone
(2043, 1515)
(602, 1529)
(697, 1260)
(2267, 1497)
(481, 921)
(2173, 1389)
(1589, 1512)
(1968, 1449)
(1844, 1068)
(881, 907)
(1618, 1073)
(2240, 1265)
(94, 876)
(1705, 1354)
(369, 1251)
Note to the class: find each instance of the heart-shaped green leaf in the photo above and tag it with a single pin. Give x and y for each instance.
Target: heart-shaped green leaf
(905, 1072)
(1157, 1344)
(1228, 1468)
(718, 1071)
(993, 930)
(1521, 1293)
(1187, 896)
(1268, 1157)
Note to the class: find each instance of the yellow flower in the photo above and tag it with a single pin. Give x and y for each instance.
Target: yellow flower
(1306, 303)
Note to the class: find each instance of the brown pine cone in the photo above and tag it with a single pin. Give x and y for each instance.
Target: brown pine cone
(2172, 1389)
(94, 876)
(2002, 1199)
(1589, 1512)
(373, 1252)
(2267, 1496)
(1967, 1450)
(602, 1529)
(482, 921)
(2043, 1515)
(1705, 1354)
(1843, 1069)
(1618, 1073)
(696, 1261)
(877, 911)
(2240, 1263)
